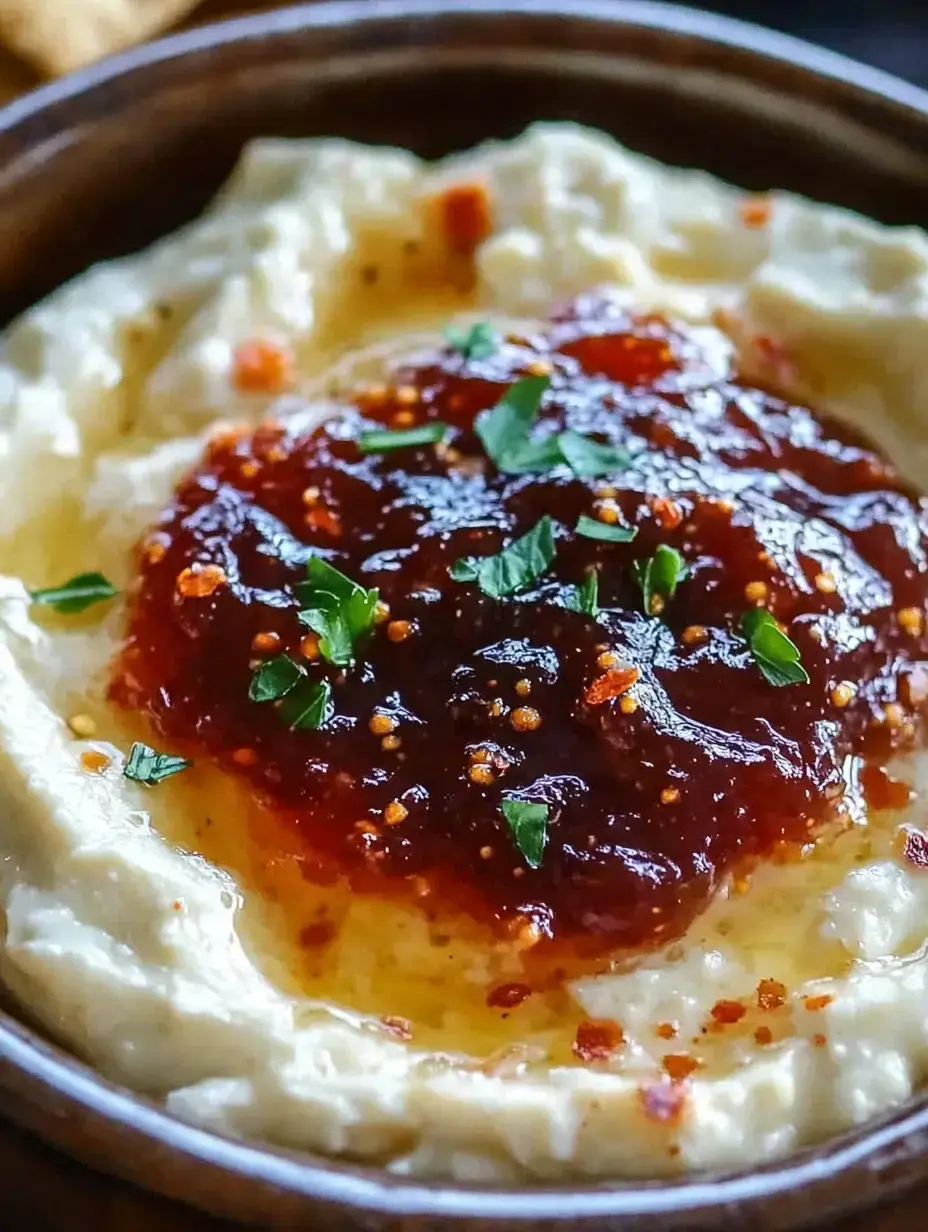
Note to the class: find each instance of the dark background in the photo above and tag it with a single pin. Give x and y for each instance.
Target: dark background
(891, 34)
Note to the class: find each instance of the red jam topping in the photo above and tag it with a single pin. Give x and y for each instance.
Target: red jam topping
(665, 757)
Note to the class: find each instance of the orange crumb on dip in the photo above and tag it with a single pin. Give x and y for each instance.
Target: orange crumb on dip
(817, 1003)
(597, 1040)
(400, 1027)
(771, 994)
(260, 366)
(727, 1012)
(614, 683)
(679, 1065)
(755, 211)
(93, 761)
(466, 217)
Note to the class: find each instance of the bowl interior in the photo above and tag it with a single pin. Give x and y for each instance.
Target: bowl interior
(99, 165)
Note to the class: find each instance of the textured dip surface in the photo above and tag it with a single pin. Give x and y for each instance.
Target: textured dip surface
(535, 869)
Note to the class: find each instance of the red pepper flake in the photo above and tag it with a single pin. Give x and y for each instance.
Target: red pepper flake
(817, 1003)
(320, 518)
(771, 994)
(755, 211)
(597, 1040)
(679, 1065)
(915, 850)
(400, 1027)
(507, 996)
(465, 216)
(763, 1035)
(662, 1102)
(611, 684)
(727, 1012)
(261, 367)
(318, 935)
(666, 1030)
(668, 512)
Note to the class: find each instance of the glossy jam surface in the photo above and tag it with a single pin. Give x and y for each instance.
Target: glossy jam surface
(458, 700)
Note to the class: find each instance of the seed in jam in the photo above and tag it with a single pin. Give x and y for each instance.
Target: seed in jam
(656, 777)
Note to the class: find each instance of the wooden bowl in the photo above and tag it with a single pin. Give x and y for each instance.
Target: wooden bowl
(110, 159)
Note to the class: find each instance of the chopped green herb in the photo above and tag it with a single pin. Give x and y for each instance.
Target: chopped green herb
(592, 528)
(148, 766)
(405, 438)
(308, 706)
(274, 679)
(478, 342)
(504, 429)
(659, 576)
(585, 597)
(774, 653)
(587, 457)
(515, 567)
(336, 608)
(75, 595)
(528, 821)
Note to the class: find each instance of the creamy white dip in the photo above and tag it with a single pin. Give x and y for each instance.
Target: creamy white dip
(160, 967)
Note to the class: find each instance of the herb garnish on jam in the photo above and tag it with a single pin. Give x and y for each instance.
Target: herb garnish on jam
(518, 565)
(274, 679)
(478, 342)
(146, 765)
(658, 577)
(592, 528)
(403, 438)
(77, 594)
(337, 609)
(504, 430)
(777, 657)
(584, 598)
(528, 821)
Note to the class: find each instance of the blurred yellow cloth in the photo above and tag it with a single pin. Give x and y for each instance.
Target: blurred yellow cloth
(45, 38)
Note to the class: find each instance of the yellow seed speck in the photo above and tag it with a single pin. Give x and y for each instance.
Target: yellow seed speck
(911, 620)
(526, 718)
(842, 693)
(82, 725)
(694, 635)
(311, 496)
(407, 395)
(893, 714)
(481, 774)
(755, 592)
(607, 659)
(390, 744)
(394, 813)
(403, 419)
(486, 853)
(381, 612)
(381, 724)
(670, 795)
(628, 704)
(480, 754)
(606, 511)
(265, 643)
(540, 367)
(523, 687)
(399, 630)
(825, 583)
(309, 646)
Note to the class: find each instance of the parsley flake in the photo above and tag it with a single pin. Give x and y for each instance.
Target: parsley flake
(478, 342)
(504, 429)
(585, 597)
(274, 679)
(337, 609)
(592, 528)
(588, 458)
(774, 653)
(659, 576)
(77, 594)
(404, 438)
(308, 705)
(146, 765)
(515, 567)
(528, 821)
